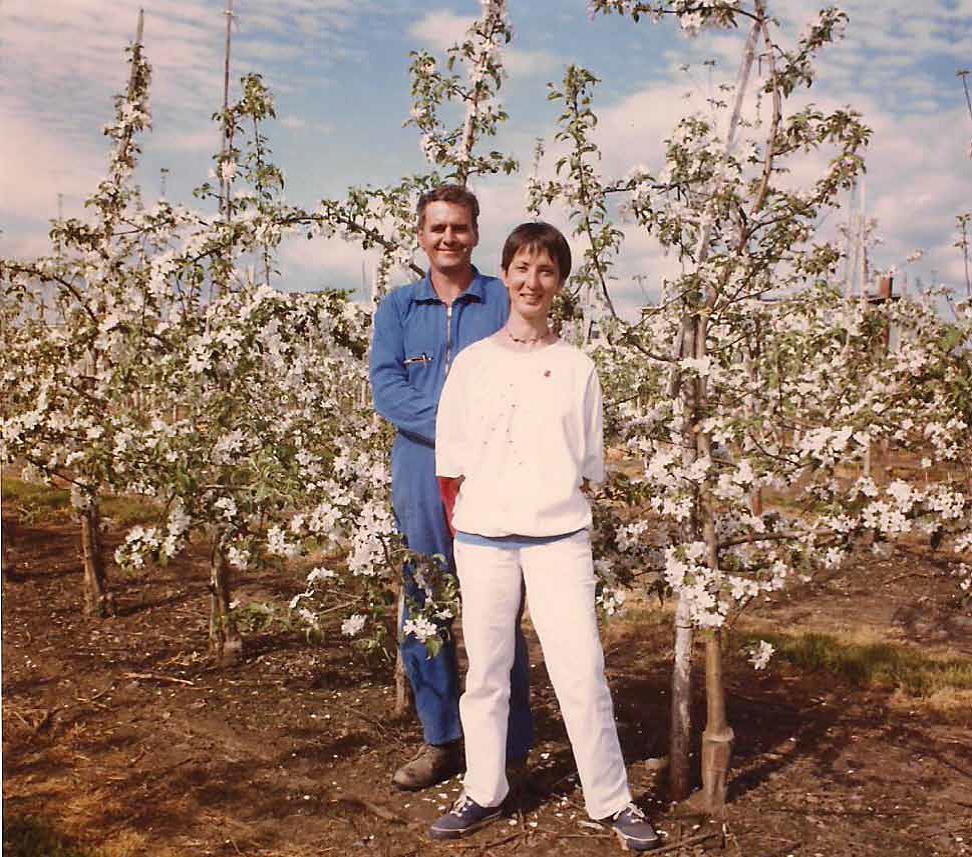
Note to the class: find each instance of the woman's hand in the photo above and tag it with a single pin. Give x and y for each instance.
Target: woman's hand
(448, 491)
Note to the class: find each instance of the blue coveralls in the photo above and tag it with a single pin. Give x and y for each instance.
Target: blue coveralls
(415, 339)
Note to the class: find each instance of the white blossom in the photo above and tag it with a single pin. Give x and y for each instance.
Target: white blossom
(353, 625)
(760, 654)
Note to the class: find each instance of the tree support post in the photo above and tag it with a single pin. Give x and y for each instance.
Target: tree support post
(403, 694)
(718, 736)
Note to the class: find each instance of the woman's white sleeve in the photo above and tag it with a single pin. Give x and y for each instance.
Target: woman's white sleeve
(450, 430)
(593, 470)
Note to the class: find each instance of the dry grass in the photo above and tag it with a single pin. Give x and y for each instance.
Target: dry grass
(869, 663)
(33, 837)
(948, 704)
(35, 503)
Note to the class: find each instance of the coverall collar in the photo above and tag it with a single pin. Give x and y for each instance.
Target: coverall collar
(426, 294)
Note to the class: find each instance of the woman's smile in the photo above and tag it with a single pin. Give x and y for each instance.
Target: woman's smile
(532, 279)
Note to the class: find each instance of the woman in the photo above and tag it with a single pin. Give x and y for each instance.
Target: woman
(519, 427)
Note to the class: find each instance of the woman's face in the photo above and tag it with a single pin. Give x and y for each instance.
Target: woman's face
(532, 280)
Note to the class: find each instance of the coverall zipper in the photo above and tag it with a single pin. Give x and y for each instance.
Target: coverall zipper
(448, 355)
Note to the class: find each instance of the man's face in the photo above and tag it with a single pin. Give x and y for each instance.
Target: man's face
(448, 237)
(533, 279)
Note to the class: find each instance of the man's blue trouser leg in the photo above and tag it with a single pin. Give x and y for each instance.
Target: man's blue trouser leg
(435, 685)
(435, 681)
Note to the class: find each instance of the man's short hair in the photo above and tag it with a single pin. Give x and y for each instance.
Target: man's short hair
(537, 236)
(456, 194)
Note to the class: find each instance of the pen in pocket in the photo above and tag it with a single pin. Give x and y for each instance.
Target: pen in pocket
(422, 358)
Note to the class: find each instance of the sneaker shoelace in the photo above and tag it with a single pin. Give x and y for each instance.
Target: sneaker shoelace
(632, 810)
(461, 803)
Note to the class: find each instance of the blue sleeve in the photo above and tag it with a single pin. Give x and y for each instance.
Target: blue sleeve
(410, 410)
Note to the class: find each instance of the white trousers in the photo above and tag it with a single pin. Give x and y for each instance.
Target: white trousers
(559, 579)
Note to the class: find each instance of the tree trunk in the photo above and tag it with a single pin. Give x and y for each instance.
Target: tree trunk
(97, 599)
(403, 693)
(680, 742)
(756, 502)
(680, 736)
(225, 642)
(6, 550)
(717, 737)
(884, 460)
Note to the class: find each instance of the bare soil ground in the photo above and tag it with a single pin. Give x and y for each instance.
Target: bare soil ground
(123, 738)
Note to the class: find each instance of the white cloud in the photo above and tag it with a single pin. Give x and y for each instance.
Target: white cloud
(30, 246)
(68, 79)
(328, 262)
(889, 64)
(440, 29)
(204, 140)
(63, 63)
(36, 166)
(527, 63)
(260, 53)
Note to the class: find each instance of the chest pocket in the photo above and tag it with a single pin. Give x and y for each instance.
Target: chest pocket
(423, 329)
(422, 350)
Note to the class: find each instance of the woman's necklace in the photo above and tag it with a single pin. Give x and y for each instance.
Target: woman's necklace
(531, 341)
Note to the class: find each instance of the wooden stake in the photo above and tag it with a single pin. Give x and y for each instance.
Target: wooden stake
(717, 737)
(227, 130)
(493, 13)
(403, 695)
(139, 30)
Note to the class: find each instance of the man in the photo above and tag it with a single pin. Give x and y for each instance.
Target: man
(418, 330)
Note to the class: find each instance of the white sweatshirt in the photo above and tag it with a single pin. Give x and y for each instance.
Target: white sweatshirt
(523, 428)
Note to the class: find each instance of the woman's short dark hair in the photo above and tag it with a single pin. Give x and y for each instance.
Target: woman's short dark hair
(456, 194)
(537, 236)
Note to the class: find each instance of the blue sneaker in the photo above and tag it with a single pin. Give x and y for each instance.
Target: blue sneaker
(465, 817)
(633, 829)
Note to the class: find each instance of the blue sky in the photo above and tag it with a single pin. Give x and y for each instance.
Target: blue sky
(338, 71)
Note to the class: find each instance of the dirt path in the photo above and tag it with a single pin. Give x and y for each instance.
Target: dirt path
(122, 736)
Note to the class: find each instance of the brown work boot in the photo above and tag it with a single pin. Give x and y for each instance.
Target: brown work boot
(433, 764)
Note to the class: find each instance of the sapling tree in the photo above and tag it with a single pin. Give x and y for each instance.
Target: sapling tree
(262, 388)
(136, 384)
(578, 185)
(751, 373)
(264, 421)
(242, 416)
(722, 203)
(66, 365)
